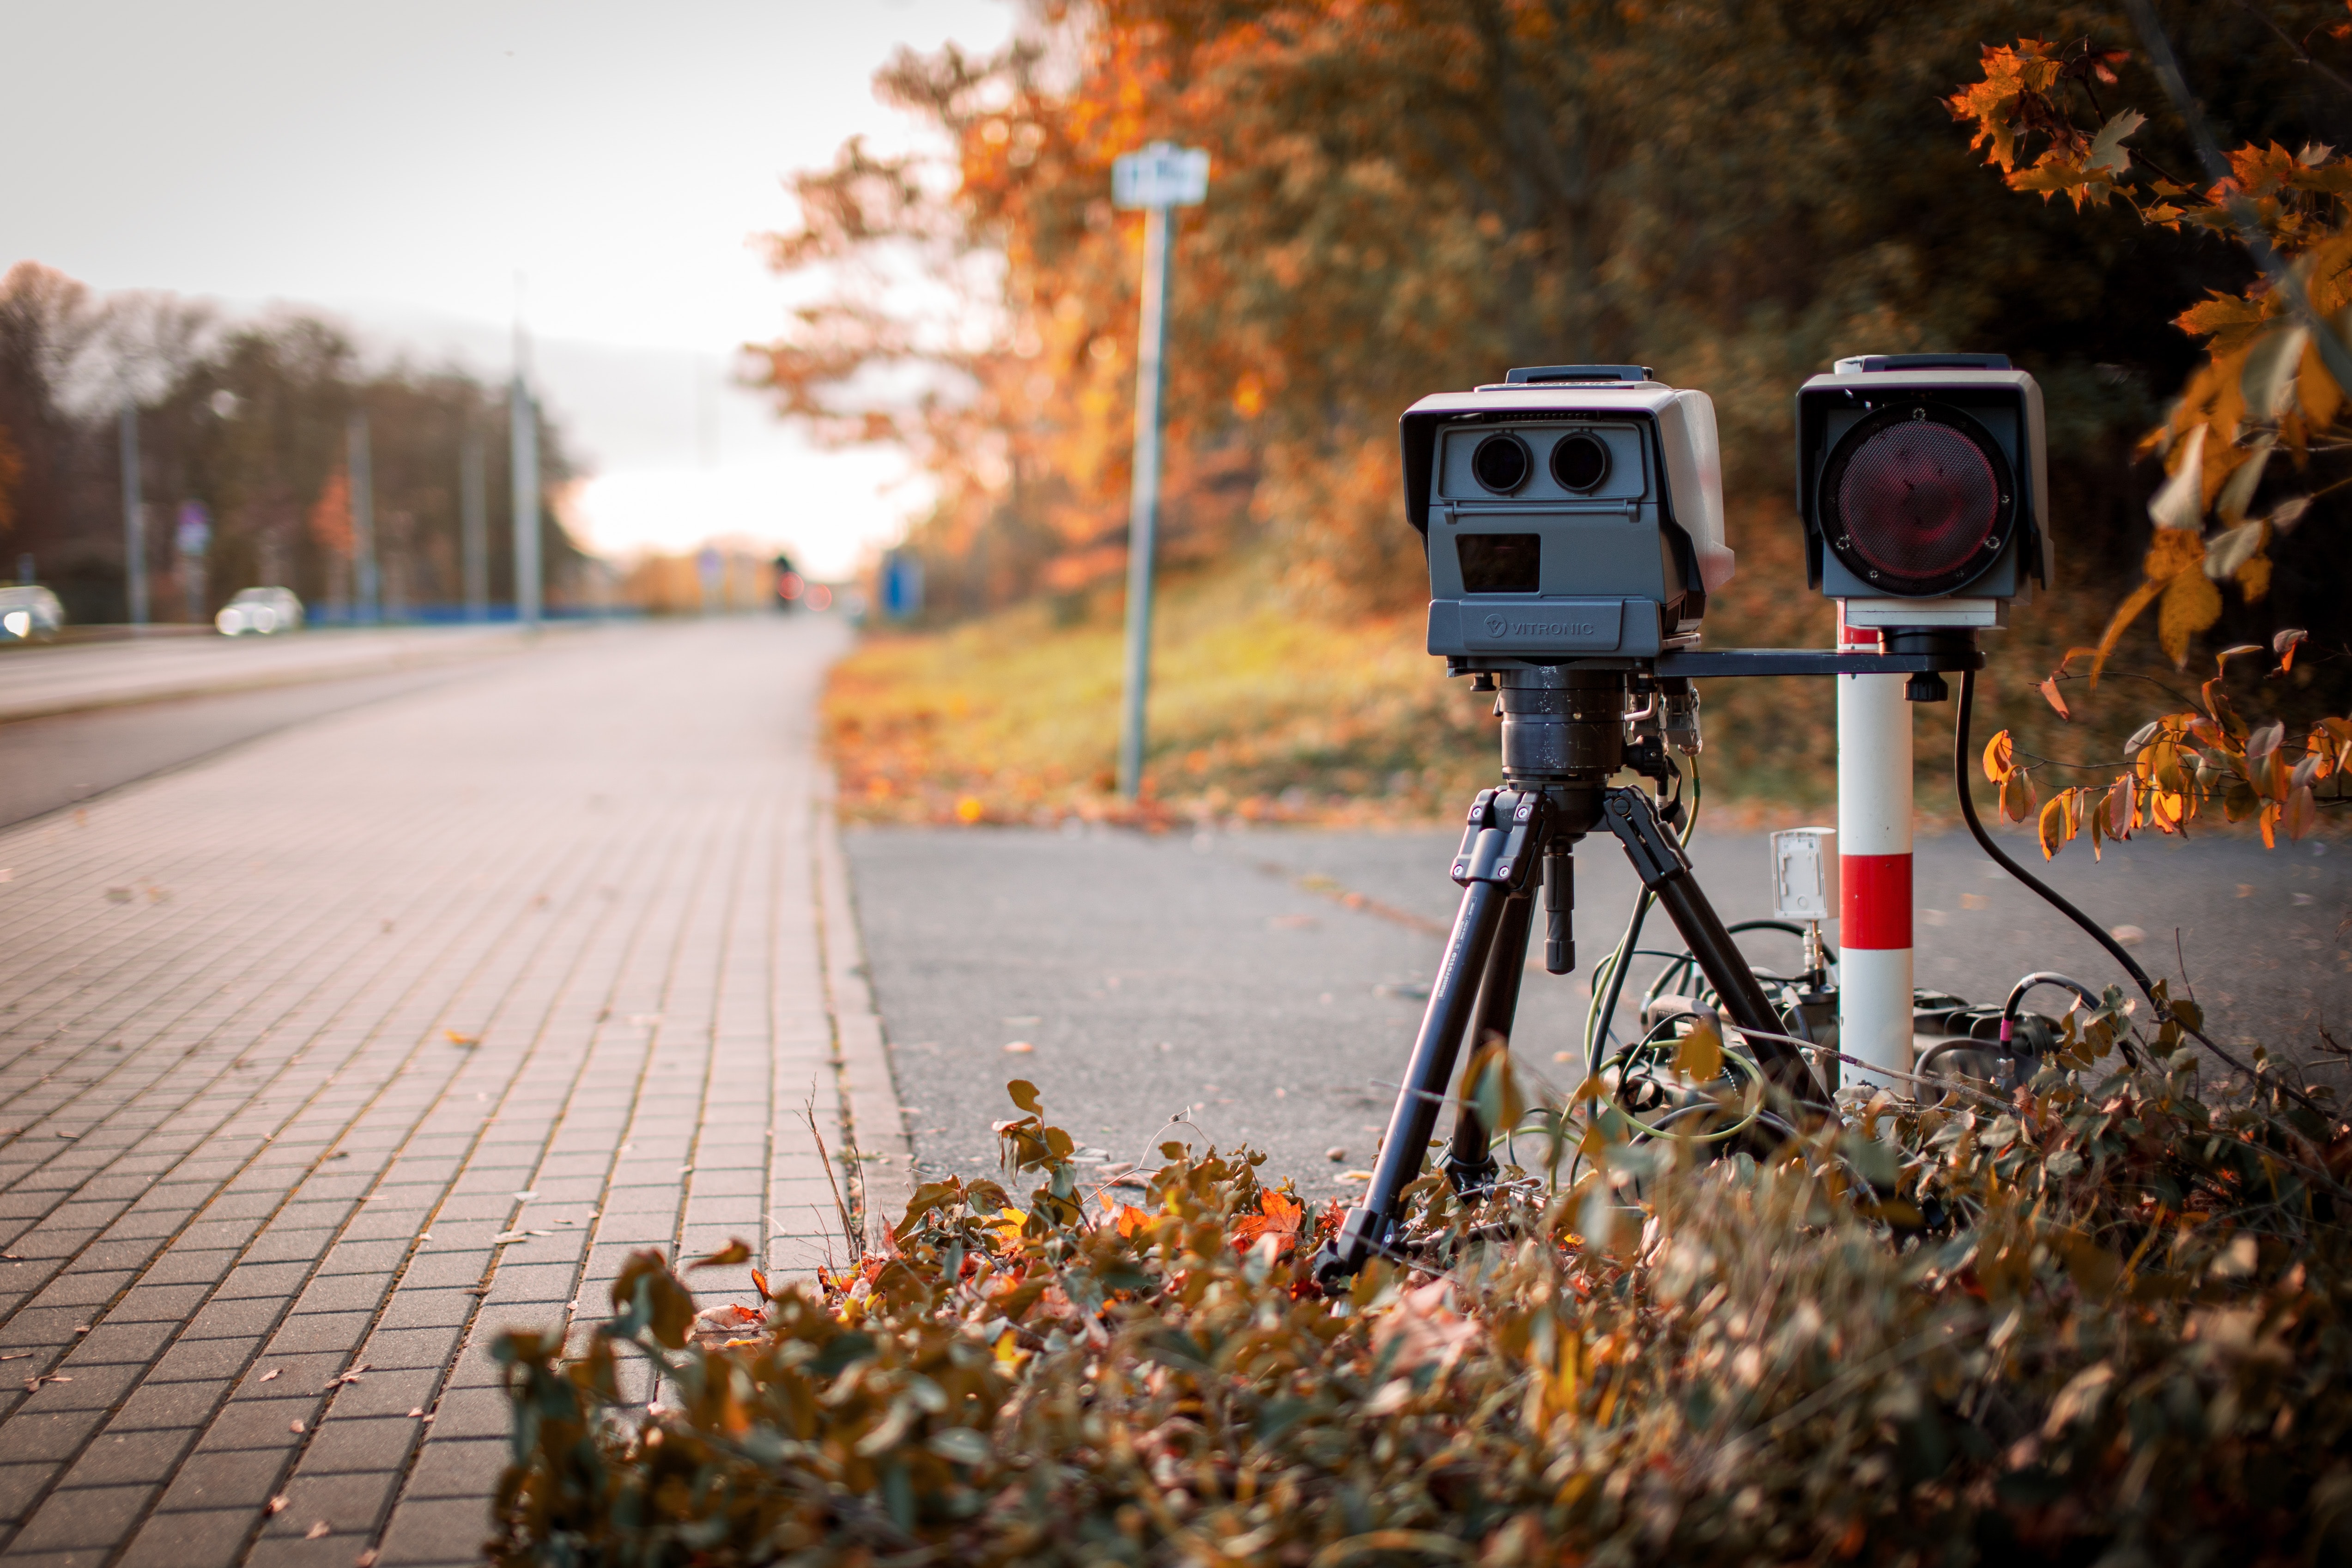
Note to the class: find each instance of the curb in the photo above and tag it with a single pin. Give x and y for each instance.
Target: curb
(874, 1126)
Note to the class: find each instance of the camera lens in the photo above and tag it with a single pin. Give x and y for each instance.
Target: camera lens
(1920, 498)
(1580, 462)
(1502, 462)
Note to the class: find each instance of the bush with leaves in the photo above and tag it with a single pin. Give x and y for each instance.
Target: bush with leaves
(2271, 387)
(2101, 1318)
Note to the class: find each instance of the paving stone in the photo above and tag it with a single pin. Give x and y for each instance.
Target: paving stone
(89, 1517)
(21, 1486)
(531, 857)
(362, 1443)
(129, 1459)
(204, 1360)
(212, 1539)
(154, 1406)
(467, 1468)
(435, 1530)
(235, 1478)
(48, 1434)
(112, 1341)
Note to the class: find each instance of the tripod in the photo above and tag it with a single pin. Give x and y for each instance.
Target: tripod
(1564, 736)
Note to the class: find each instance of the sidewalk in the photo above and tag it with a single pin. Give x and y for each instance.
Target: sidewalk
(324, 1062)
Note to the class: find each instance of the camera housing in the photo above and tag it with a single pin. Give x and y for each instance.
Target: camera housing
(1570, 512)
(1924, 485)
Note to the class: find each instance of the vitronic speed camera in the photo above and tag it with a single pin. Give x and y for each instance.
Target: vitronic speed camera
(1573, 511)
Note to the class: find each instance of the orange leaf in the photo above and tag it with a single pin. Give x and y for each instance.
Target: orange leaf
(1999, 758)
(2049, 690)
(2121, 799)
(2055, 826)
(2018, 796)
(2302, 812)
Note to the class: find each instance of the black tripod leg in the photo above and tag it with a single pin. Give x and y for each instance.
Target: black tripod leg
(1491, 866)
(1660, 863)
(1469, 1164)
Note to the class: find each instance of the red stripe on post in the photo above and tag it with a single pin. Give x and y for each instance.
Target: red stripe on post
(1875, 901)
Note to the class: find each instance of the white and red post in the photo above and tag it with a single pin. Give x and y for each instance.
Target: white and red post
(1873, 863)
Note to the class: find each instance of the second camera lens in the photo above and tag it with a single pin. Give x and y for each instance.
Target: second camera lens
(1580, 462)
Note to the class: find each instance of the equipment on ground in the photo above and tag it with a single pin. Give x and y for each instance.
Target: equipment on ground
(1574, 518)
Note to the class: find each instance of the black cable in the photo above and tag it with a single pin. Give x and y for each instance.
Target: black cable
(1598, 1048)
(1961, 786)
(1962, 783)
(2016, 1003)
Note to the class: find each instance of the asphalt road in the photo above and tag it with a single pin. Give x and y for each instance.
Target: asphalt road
(62, 760)
(41, 680)
(1228, 977)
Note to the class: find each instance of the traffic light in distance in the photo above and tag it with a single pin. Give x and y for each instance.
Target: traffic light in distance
(1924, 488)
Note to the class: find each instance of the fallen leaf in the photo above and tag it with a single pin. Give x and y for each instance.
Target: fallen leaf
(1019, 1048)
(269, 1375)
(737, 1251)
(317, 1531)
(276, 1504)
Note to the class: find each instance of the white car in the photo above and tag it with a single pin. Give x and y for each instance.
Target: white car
(261, 611)
(29, 613)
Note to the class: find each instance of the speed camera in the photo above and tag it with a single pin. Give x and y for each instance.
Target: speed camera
(1570, 511)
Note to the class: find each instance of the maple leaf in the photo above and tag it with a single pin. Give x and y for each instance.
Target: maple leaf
(2013, 98)
(1278, 1216)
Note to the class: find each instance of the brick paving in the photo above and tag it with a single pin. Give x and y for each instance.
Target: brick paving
(325, 1062)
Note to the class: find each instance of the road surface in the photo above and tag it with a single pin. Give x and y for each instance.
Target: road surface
(1230, 977)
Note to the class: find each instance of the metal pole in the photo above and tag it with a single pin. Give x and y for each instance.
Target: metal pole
(1874, 936)
(1143, 507)
(524, 419)
(135, 519)
(363, 467)
(473, 524)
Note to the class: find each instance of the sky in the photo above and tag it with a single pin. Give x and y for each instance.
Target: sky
(397, 166)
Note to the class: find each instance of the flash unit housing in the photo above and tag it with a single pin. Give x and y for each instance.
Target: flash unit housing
(1569, 512)
(1924, 487)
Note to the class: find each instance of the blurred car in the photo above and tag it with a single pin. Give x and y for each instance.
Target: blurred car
(29, 613)
(261, 611)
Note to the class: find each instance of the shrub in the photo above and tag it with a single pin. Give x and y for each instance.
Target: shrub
(2102, 1318)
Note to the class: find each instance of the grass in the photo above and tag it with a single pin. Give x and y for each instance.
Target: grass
(1256, 710)
(1270, 710)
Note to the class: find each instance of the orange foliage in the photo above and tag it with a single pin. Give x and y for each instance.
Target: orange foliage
(330, 514)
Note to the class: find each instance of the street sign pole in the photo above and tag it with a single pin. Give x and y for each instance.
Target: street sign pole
(364, 568)
(473, 511)
(1159, 179)
(524, 419)
(135, 519)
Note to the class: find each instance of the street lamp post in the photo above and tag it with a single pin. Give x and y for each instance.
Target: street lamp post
(1159, 179)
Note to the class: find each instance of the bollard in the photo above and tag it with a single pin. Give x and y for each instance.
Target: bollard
(1873, 863)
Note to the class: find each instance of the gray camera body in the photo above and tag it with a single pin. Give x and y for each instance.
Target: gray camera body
(1924, 485)
(1571, 512)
